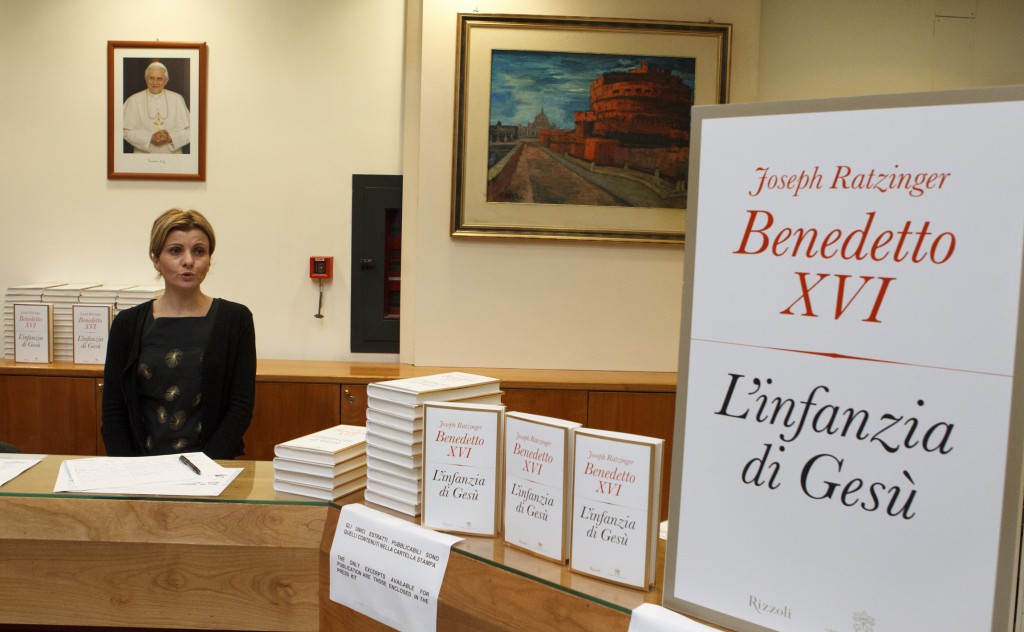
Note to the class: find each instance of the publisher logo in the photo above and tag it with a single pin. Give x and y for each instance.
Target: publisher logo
(764, 607)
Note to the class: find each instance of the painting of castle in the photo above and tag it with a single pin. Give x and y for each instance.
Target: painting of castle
(589, 129)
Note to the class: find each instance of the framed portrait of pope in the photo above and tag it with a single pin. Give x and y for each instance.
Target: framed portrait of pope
(156, 111)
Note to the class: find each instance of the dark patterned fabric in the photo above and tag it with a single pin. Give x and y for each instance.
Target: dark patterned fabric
(168, 373)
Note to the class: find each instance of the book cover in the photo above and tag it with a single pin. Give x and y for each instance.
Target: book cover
(330, 445)
(91, 324)
(538, 466)
(320, 469)
(322, 482)
(317, 492)
(461, 467)
(440, 387)
(33, 335)
(616, 498)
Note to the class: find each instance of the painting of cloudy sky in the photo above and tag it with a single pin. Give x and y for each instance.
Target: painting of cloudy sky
(524, 82)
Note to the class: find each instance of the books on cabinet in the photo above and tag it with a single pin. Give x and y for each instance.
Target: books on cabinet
(33, 332)
(538, 484)
(394, 422)
(326, 464)
(322, 493)
(616, 495)
(90, 328)
(462, 467)
(441, 387)
(64, 299)
(328, 446)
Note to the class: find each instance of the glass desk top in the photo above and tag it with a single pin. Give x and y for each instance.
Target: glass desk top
(255, 485)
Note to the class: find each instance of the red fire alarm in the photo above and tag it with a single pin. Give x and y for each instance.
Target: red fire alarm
(321, 267)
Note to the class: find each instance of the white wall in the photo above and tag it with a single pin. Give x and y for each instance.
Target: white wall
(834, 48)
(538, 303)
(609, 306)
(302, 94)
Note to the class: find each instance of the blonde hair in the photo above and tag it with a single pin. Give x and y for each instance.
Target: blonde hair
(178, 219)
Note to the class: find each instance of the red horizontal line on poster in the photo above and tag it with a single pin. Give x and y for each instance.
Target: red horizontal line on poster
(841, 356)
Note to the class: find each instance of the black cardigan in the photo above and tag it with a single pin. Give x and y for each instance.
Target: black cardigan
(228, 382)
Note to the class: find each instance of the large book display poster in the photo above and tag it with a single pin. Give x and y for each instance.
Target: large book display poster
(848, 403)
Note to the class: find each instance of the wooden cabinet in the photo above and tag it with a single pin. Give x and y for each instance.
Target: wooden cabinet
(353, 404)
(285, 410)
(563, 404)
(56, 408)
(50, 415)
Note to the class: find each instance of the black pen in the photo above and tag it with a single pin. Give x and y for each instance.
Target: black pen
(190, 464)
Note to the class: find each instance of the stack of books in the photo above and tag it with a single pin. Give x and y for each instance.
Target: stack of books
(394, 432)
(103, 295)
(326, 464)
(136, 294)
(63, 297)
(32, 293)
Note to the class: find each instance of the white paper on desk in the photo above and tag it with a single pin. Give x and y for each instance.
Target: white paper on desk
(163, 475)
(11, 465)
(388, 569)
(649, 617)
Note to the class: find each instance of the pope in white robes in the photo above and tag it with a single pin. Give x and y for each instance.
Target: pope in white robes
(156, 121)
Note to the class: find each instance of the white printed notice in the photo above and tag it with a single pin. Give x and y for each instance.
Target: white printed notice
(387, 568)
(848, 367)
(461, 464)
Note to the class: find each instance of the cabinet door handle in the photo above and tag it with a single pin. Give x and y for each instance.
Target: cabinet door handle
(349, 396)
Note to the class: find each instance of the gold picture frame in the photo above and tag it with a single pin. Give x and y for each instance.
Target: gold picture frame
(549, 68)
(130, 153)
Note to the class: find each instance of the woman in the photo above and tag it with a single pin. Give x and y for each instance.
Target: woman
(180, 374)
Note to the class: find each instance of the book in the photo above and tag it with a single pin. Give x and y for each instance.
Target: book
(396, 481)
(403, 415)
(136, 295)
(376, 417)
(401, 459)
(410, 498)
(440, 387)
(319, 469)
(374, 465)
(462, 467)
(538, 484)
(33, 334)
(377, 498)
(616, 497)
(318, 492)
(411, 449)
(91, 325)
(329, 446)
(315, 480)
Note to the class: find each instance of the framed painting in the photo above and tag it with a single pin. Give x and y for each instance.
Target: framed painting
(156, 111)
(579, 128)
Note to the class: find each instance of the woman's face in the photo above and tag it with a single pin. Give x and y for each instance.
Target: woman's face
(184, 259)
